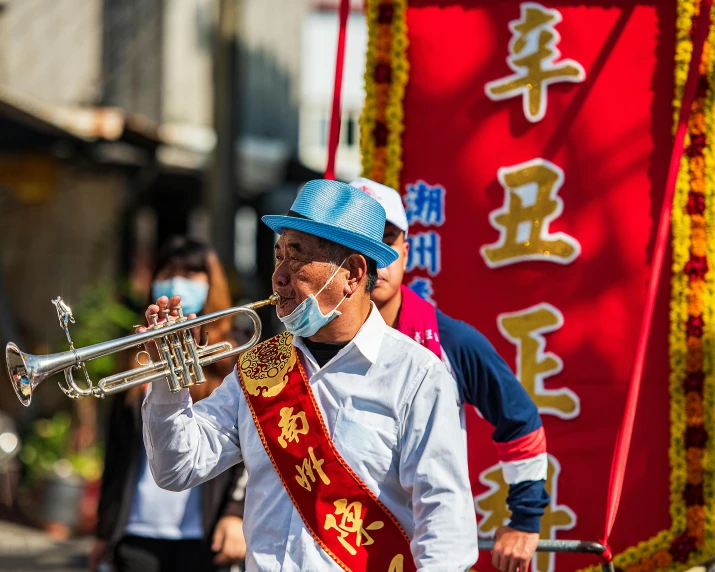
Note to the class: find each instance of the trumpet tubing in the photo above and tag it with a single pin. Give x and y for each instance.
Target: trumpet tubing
(181, 359)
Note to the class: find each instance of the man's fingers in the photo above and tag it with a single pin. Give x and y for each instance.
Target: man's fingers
(221, 559)
(231, 550)
(514, 549)
(217, 543)
(163, 304)
(152, 309)
(497, 558)
(174, 304)
(508, 562)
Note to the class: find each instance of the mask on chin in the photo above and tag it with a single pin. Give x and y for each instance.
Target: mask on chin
(193, 292)
(306, 319)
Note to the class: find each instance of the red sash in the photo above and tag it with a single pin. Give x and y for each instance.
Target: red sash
(341, 513)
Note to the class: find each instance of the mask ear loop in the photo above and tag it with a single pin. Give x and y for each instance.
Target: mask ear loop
(331, 278)
(341, 301)
(329, 281)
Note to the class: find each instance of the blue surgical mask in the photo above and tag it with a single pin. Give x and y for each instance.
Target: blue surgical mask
(307, 319)
(193, 292)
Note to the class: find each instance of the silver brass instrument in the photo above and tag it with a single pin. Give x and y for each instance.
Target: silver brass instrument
(181, 359)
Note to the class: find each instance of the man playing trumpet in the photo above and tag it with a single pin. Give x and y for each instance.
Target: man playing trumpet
(349, 430)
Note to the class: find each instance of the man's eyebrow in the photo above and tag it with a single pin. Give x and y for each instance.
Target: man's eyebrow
(295, 246)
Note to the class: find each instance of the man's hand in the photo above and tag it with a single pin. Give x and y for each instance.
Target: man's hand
(228, 541)
(513, 549)
(162, 304)
(98, 554)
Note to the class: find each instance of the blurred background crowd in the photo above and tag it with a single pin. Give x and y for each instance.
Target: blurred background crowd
(124, 123)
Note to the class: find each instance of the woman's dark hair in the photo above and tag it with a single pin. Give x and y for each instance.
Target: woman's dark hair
(181, 253)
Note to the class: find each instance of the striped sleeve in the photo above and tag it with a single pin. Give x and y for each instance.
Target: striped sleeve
(524, 459)
(485, 381)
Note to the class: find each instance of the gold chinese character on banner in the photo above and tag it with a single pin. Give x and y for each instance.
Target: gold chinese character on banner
(532, 57)
(306, 476)
(526, 329)
(531, 203)
(492, 508)
(351, 522)
(292, 426)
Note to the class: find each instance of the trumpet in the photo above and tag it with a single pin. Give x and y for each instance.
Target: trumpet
(181, 360)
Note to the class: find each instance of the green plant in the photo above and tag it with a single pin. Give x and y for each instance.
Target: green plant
(47, 451)
(100, 317)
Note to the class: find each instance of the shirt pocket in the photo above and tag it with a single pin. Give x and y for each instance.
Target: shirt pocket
(367, 441)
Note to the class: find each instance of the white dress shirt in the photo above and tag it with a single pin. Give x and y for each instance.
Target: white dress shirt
(392, 411)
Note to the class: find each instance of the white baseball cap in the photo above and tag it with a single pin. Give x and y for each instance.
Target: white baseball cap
(388, 197)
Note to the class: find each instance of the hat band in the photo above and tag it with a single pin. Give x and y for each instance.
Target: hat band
(298, 215)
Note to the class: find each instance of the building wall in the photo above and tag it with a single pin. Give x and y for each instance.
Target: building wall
(132, 56)
(59, 224)
(270, 66)
(320, 41)
(187, 91)
(152, 57)
(52, 50)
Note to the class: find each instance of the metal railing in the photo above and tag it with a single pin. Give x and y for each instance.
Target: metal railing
(572, 546)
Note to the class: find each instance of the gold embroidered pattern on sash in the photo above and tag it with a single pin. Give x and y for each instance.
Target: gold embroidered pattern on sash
(265, 367)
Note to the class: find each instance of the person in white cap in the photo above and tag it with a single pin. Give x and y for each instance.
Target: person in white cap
(483, 381)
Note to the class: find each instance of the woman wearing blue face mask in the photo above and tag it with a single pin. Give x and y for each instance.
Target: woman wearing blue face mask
(142, 527)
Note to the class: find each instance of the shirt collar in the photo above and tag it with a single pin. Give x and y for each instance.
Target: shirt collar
(367, 340)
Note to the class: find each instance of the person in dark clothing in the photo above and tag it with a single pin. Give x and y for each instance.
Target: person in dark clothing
(140, 526)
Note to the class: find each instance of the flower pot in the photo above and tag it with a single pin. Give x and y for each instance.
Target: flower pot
(88, 508)
(60, 505)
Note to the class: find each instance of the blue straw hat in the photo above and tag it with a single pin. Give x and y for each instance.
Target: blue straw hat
(339, 213)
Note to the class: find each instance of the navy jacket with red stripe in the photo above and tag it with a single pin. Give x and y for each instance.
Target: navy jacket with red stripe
(485, 381)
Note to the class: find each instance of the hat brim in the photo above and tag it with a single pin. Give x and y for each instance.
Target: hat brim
(382, 254)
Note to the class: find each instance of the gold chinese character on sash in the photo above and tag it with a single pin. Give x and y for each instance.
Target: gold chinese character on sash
(397, 564)
(351, 522)
(531, 203)
(532, 57)
(292, 426)
(306, 476)
(526, 329)
(492, 509)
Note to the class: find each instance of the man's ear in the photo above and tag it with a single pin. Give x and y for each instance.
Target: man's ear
(406, 246)
(356, 265)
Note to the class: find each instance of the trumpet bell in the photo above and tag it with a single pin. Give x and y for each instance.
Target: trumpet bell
(20, 373)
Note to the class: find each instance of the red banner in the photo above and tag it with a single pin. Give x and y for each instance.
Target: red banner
(535, 148)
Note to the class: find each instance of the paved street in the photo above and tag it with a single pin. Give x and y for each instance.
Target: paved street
(24, 549)
(28, 549)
